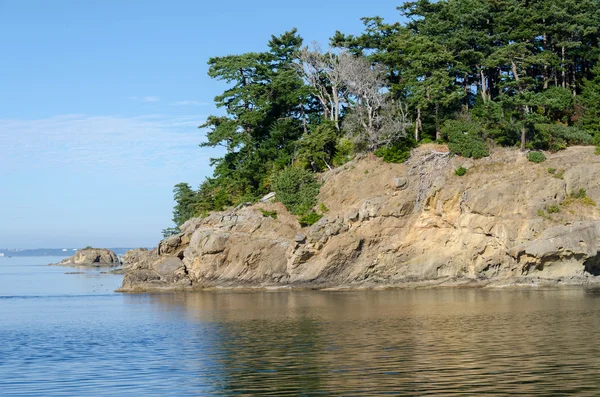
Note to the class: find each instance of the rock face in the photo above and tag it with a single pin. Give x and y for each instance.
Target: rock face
(507, 221)
(91, 257)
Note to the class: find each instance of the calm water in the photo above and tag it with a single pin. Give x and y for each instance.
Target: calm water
(69, 335)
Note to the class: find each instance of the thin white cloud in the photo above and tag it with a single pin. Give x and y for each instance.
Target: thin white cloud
(190, 103)
(149, 98)
(144, 147)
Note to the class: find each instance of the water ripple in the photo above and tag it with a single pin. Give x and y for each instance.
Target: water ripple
(413, 343)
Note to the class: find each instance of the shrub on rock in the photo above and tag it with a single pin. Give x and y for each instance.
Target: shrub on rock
(536, 157)
(297, 189)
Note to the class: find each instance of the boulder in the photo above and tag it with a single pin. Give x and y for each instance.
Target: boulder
(190, 225)
(171, 245)
(400, 182)
(139, 258)
(268, 197)
(91, 257)
(561, 251)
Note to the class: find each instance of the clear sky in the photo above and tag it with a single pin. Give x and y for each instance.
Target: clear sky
(100, 102)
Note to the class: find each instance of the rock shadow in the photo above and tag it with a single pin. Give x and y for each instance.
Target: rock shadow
(592, 265)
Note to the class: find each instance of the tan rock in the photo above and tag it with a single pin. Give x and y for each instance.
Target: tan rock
(91, 257)
(433, 228)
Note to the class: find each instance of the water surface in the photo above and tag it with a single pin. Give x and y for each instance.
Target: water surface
(64, 334)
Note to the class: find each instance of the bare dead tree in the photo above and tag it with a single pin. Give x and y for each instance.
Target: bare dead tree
(375, 119)
(321, 70)
(385, 125)
(342, 79)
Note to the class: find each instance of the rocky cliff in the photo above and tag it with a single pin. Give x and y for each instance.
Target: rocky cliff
(91, 257)
(507, 221)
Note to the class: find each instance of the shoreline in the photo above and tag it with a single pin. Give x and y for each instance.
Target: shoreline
(507, 284)
(403, 226)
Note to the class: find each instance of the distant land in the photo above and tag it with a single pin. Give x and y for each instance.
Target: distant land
(50, 251)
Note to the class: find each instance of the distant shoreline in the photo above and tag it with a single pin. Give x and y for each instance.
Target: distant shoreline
(50, 251)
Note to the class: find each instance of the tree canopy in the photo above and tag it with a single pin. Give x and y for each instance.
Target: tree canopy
(521, 73)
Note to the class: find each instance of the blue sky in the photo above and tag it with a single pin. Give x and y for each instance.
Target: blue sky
(100, 102)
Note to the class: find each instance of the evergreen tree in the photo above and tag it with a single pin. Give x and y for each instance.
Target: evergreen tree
(590, 99)
(185, 201)
(264, 113)
(521, 72)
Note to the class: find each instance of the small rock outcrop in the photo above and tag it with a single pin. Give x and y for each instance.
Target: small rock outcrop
(506, 222)
(91, 257)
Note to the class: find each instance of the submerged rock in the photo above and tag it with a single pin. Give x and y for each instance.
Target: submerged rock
(507, 222)
(91, 257)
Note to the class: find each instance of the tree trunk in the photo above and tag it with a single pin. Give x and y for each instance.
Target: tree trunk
(514, 71)
(562, 65)
(336, 115)
(438, 132)
(523, 136)
(303, 113)
(466, 90)
(325, 107)
(574, 70)
(546, 77)
(417, 124)
(523, 128)
(483, 85)
(574, 83)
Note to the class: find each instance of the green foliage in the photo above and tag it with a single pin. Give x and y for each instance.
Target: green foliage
(297, 189)
(581, 193)
(590, 101)
(465, 138)
(519, 63)
(398, 152)
(318, 148)
(552, 171)
(511, 72)
(550, 209)
(170, 231)
(185, 203)
(580, 196)
(344, 151)
(271, 214)
(536, 157)
(555, 137)
(263, 120)
(460, 171)
(309, 219)
(556, 103)
(323, 208)
(597, 151)
(87, 247)
(559, 174)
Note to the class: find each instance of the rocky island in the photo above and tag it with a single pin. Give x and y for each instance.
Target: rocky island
(507, 221)
(91, 257)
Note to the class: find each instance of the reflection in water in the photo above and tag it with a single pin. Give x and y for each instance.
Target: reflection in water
(423, 342)
(407, 342)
